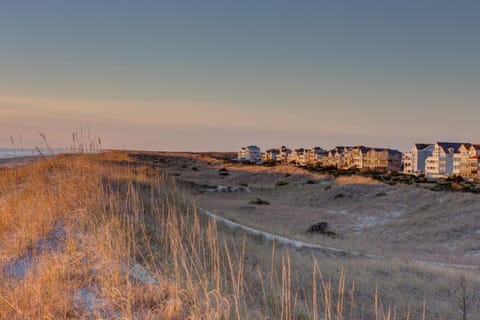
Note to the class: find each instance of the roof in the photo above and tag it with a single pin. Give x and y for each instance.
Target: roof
(421, 146)
(451, 145)
(476, 146)
(362, 148)
(390, 151)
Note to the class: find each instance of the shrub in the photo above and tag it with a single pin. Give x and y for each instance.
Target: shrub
(381, 194)
(339, 195)
(223, 172)
(281, 183)
(259, 201)
(327, 188)
(320, 227)
(287, 175)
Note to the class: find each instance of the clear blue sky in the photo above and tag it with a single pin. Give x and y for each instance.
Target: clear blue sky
(216, 75)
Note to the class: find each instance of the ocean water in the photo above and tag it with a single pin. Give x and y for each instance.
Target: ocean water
(13, 153)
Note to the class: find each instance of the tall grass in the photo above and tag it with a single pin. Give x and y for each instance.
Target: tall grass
(100, 236)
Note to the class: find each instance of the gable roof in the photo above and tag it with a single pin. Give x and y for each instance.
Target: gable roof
(451, 145)
(421, 146)
(273, 150)
(475, 146)
(363, 149)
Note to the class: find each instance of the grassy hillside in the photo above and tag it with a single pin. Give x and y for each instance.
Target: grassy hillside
(100, 236)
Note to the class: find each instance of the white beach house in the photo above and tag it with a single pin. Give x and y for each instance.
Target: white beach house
(250, 154)
(440, 163)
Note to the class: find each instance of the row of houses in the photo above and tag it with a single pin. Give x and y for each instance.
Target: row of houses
(443, 159)
(436, 160)
(341, 157)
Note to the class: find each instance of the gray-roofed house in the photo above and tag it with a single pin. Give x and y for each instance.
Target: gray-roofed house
(419, 154)
(440, 163)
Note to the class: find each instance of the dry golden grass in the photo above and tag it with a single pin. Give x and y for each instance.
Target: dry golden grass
(99, 236)
(357, 180)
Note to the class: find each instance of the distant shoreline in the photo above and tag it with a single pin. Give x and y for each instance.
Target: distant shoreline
(18, 161)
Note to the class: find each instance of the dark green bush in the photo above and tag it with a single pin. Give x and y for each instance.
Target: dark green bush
(259, 201)
(281, 183)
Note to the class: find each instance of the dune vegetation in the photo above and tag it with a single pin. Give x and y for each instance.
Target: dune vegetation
(100, 236)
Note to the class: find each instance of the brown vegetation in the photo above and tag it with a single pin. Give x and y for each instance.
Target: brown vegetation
(101, 236)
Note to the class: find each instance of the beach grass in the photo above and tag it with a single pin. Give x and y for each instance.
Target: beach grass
(100, 236)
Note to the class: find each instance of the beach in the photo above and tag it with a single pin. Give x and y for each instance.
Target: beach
(18, 161)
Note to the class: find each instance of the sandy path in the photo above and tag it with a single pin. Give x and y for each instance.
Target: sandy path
(324, 249)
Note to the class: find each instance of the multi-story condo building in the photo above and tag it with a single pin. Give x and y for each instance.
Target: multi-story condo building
(297, 156)
(383, 160)
(441, 162)
(284, 154)
(316, 155)
(419, 154)
(250, 154)
(271, 155)
(357, 156)
(336, 157)
(465, 161)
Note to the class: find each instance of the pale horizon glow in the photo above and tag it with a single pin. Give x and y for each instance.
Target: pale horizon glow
(217, 76)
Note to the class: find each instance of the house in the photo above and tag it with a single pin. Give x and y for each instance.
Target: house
(298, 156)
(357, 155)
(271, 155)
(474, 172)
(475, 168)
(383, 160)
(419, 154)
(441, 163)
(336, 157)
(461, 160)
(407, 162)
(284, 154)
(250, 154)
(349, 157)
(465, 161)
(315, 155)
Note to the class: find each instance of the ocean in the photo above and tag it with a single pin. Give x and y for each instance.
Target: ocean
(14, 153)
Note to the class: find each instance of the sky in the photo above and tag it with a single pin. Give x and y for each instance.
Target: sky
(218, 75)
